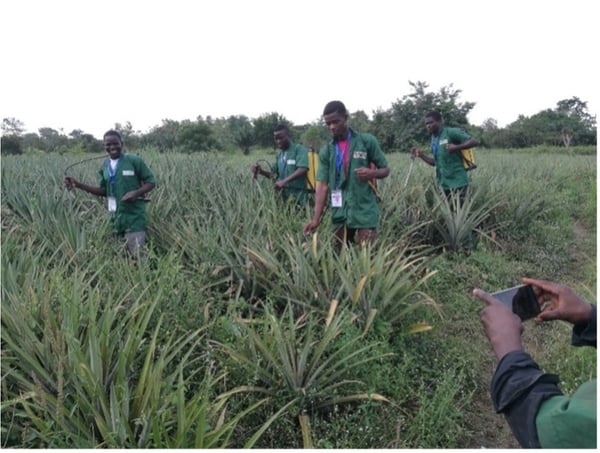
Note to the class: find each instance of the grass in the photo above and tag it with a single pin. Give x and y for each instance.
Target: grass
(225, 327)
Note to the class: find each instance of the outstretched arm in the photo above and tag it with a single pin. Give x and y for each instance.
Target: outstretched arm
(99, 191)
(425, 158)
(257, 170)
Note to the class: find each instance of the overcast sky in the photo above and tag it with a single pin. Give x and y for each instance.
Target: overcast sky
(90, 64)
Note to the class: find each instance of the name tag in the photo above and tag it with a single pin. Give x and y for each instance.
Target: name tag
(336, 198)
(128, 173)
(291, 162)
(112, 204)
(359, 155)
(444, 142)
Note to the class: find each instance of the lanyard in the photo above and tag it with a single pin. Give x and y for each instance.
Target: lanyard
(111, 174)
(339, 160)
(435, 141)
(282, 164)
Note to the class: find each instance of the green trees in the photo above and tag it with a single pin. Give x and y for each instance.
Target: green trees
(47, 140)
(12, 128)
(567, 125)
(314, 136)
(196, 136)
(242, 132)
(86, 141)
(578, 124)
(11, 144)
(397, 128)
(163, 137)
(264, 126)
(402, 126)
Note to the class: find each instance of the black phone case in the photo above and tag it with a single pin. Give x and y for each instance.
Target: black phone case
(525, 304)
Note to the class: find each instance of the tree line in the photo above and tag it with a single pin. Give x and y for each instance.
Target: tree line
(397, 128)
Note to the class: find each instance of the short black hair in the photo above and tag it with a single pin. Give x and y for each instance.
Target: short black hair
(335, 107)
(435, 115)
(281, 127)
(113, 133)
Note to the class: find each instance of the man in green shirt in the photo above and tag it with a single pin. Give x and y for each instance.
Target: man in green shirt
(125, 179)
(446, 145)
(290, 168)
(345, 178)
(539, 415)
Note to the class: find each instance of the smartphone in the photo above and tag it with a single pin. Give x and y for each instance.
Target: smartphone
(521, 300)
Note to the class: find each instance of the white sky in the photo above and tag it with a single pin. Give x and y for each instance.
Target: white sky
(89, 64)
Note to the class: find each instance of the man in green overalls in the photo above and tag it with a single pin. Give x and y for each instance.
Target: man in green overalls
(125, 179)
(539, 415)
(446, 145)
(290, 168)
(345, 177)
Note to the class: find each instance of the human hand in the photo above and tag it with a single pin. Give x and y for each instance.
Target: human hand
(451, 147)
(502, 327)
(310, 227)
(130, 196)
(280, 184)
(70, 182)
(562, 302)
(364, 173)
(415, 152)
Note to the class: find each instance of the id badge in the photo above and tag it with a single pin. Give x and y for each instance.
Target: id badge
(336, 198)
(112, 204)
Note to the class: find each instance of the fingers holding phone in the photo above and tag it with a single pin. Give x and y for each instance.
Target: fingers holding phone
(521, 300)
(502, 327)
(559, 302)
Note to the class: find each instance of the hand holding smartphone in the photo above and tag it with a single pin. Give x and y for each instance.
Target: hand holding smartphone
(521, 300)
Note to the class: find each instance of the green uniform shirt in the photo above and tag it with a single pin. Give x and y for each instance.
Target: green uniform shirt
(129, 174)
(449, 169)
(359, 204)
(564, 422)
(288, 161)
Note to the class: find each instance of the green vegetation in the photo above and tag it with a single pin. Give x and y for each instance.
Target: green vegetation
(240, 332)
(397, 128)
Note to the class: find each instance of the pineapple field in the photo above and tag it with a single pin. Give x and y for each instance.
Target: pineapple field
(239, 332)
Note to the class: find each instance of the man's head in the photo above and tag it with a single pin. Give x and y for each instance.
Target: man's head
(433, 122)
(281, 134)
(113, 144)
(335, 116)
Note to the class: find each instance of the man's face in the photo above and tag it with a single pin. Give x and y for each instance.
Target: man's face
(282, 139)
(432, 126)
(337, 125)
(113, 146)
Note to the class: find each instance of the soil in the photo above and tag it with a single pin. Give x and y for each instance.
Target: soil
(491, 430)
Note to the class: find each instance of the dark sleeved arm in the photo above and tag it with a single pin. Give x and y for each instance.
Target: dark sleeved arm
(585, 334)
(518, 388)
